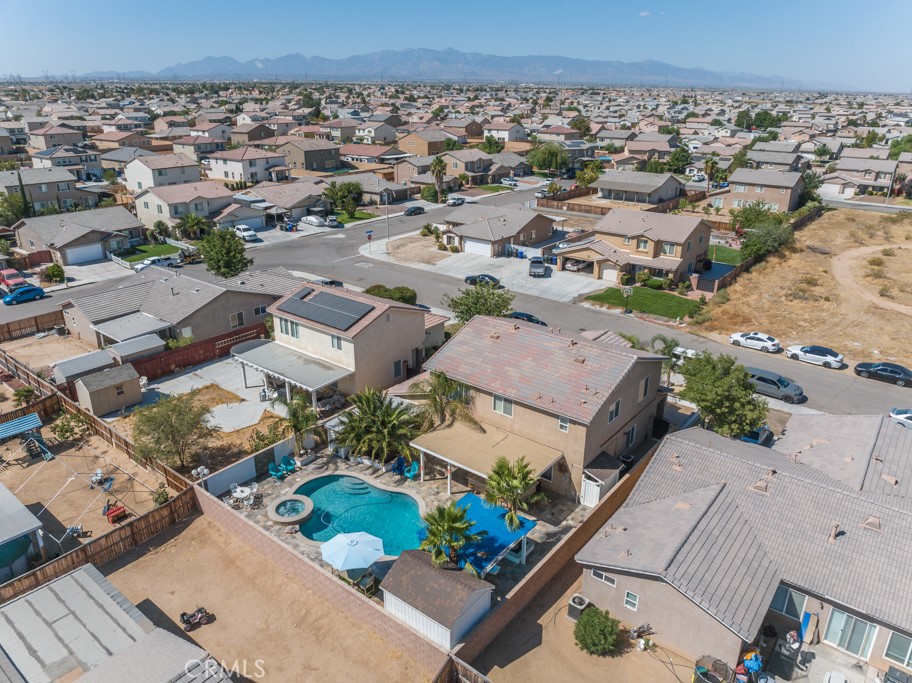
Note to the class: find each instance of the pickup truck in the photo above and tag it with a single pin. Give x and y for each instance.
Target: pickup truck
(537, 267)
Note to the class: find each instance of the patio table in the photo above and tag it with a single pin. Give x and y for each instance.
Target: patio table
(241, 492)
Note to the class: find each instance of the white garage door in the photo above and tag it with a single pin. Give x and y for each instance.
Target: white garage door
(609, 273)
(92, 252)
(477, 247)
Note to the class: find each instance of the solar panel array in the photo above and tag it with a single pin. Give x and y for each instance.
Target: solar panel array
(327, 309)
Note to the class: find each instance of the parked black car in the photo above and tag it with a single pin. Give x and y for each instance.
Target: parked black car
(478, 279)
(330, 283)
(527, 317)
(885, 372)
(414, 211)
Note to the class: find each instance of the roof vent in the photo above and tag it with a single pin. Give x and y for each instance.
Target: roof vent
(771, 474)
(834, 532)
(626, 553)
(676, 463)
(573, 342)
(872, 523)
(762, 486)
(849, 458)
(579, 359)
(681, 505)
(495, 336)
(890, 479)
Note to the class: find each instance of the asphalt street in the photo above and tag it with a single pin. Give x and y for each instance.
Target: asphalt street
(335, 255)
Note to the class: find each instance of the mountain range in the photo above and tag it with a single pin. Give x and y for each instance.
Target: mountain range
(420, 64)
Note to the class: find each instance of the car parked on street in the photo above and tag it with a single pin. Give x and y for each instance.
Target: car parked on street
(334, 222)
(482, 278)
(169, 261)
(245, 232)
(541, 194)
(885, 372)
(537, 267)
(414, 211)
(23, 294)
(527, 317)
(755, 340)
(818, 355)
(902, 416)
(775, 385)
(455, 201)
(315, 221)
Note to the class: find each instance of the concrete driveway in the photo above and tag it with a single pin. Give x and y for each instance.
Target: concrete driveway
(93, 271)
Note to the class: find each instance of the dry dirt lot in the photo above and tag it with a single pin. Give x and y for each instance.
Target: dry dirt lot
(803, 296)
(42, 353)
(416, 249)
(539, 646)
(260, 613)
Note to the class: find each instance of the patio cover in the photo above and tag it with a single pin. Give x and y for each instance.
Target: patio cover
(287, 364)
(130, 326)
(20, 425)
(16, 520)
(475, 451)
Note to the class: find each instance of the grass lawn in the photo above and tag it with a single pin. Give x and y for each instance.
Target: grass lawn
(647, 300)
(359, 216)
(723, 254)
(493, 188)
(144, 251)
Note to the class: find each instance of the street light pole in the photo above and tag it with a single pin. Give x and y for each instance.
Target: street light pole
(387, 198)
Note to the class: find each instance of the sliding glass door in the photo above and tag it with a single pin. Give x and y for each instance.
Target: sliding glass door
(850, 633)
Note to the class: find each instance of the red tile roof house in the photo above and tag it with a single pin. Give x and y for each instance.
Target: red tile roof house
(565, 403)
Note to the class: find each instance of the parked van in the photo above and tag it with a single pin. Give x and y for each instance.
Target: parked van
(775, 385)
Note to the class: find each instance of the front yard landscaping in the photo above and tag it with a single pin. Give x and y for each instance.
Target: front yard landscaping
(722, 254)
(647, 300)
(144, 251)
(344, 218)
(493, 188)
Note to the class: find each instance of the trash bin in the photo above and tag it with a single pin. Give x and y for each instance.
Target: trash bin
(61, 330)
(263, 395)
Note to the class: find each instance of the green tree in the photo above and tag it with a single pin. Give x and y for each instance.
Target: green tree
(722, 391)
(665, 346)
(53, 273)
(5, 247)
(812, 183)
(655, 166)
(581, 125)
(438, 170)
(23, 396)
(351, 194)
(190, 225)
(900, 145)
(223, 253)
(717, 122)
(107, 202)
(300, 417)
(710, 168)
(447, 533)
(464, 179)
(679, 160)
(589, 174)
(744, 119)
(482, 299)
(510, 485)
(822, 152)
(451, 145)
(445, 401)
(549, 156)
(756, 214)
(596, 632)
(554, 188)
(491, 145)
(173, 429)
(401, 293)
(12, 208)
(766, 239)
(429, 193)
(160, 230)
(71, 427)
(378, 427)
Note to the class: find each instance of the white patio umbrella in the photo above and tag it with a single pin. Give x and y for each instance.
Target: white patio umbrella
(357, 550)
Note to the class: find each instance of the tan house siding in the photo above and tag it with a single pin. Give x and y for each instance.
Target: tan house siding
(105, 401)
(415, 144)
(780, 198)
(398, 335)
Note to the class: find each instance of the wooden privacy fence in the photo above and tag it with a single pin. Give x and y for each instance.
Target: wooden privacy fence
(26, 375)
(45, 407)
(105, 548)
(17, 329)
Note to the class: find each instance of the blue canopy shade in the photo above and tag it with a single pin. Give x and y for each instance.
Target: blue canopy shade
(20, 425)
(498, 539)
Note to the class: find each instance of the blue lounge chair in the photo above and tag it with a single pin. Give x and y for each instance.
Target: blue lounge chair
(276, 473)
(288, 464)
(411, 471)
(399, 466)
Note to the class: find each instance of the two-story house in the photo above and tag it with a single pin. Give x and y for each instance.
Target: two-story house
(249, 164)
(775, 161)
(330, 339)
(780, 191)
(198, 147)
(212, 129)
(374, 133)
(494, 230)
(17, 131)
(475, 164)
(160, 170)
(250, 133)
(558, 134)
(428, 142)
(85, 164)
(44, 187)
(859, 176)
(505, 131)
(341, 130)
(106, 141)
(310, 154)
(629, 241)
(291, 201)
(55, 135)
(638, 187)
(205, 198)
(597, 400)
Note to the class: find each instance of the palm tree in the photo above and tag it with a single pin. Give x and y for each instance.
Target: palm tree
(635, 341)
(190, 225)
(448, 532)
(464, 178)
(300, 418)
(665, 346)
(438, 170)
(710, 166)
(378, 427)
(508, 486)
(446, 401)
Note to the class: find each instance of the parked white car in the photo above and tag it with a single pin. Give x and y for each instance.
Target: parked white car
(315, 221)
(333, 221)
(509, 181)
(161, 261)
(755, 340)
(455, 201)
(818, 355)
(245, 232)
(902, 416)
(574, 265)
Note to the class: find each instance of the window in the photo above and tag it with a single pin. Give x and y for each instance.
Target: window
(139, 185)
(642, 244)
(868, 174)
(563, 424)
(161, 172)
(259, 310)
(614, 411)
(283, 325)
(737, 203)
(700, 239)
(159, 208)
(119, 390)
(718, 202)
(689, 245)
(774, 207)
(781, 190)
(631, 437)
(788, 602)
(31, 243)
(336, 341)
(740, 188)
(631, 600)
(899, 649)
(759, 189)
(502, 405)
(145, 205)
(236, 320)
(668, 248)
(42, 188)
(397, 368)
(455, 164)
(644, 388)
(850, 633)
(603, 577)
(626, 239)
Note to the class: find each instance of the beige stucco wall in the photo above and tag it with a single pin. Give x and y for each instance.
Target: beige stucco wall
(318, 344)
(391, 337)
(105, 401)
(214, 317)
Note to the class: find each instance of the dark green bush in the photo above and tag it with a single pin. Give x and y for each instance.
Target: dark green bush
(597, 632)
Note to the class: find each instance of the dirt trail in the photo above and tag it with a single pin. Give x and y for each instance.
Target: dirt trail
(843, 266)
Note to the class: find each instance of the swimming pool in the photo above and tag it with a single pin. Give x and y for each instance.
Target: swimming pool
(343, 504)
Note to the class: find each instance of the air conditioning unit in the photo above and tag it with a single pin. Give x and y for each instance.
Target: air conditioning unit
(576, 606)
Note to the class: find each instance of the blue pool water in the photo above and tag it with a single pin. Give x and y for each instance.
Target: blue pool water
(344, 504)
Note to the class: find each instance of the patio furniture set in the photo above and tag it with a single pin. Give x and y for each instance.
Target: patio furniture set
(243, 497)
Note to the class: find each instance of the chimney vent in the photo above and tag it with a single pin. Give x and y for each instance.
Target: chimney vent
(872, 523)
(495, 336)
(172, 291)
(762, 486)
(890, 479)
(579, 359)
(676, 463)
(834, 532)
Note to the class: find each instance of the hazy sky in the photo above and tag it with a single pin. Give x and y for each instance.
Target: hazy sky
(808, 40)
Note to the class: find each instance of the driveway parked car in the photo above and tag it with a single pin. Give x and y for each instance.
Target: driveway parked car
(330, 283)
(885, 372)
(762, 436)
(574, 265)
(902, 416)
(333, 222)
(478, 279)
(455, 201)
(315, 221)
(414, 211)
(818, 355)
(775, 385)
(245, 232)
(510, 182)
(755, 340)
(162, 261)
(527, 317)
(537, 267)
(23, 294)
(681, 354)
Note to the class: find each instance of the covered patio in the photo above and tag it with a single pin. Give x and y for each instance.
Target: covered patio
(288, 366)
(474, 451)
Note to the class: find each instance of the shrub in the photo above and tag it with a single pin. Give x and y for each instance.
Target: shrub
(23, 396)
(702, 300)
(654, 283)
(643, 276)
(721, 297)
(53, 273)
(876, 274)
(699, 317)
(876, 262)
(885, 292)
(425, 231)
(454, 249)
(683, 288)
(667, 283)
(889, 251)
(429, 193)
(809, 280)
(436, 231)
(597, 632)
(160, 496)
(441, 246)
(625, 278)
(402, 294)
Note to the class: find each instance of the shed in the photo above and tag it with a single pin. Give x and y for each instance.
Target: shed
(71, 369)
(599, 477)
(18, 532)
(109, 390)
(138, 347)
(443, 604)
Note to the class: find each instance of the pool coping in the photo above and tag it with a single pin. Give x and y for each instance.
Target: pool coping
(422, 506)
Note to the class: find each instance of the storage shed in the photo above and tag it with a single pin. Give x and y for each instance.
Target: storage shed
(443, 604)
(18, 532)
(109, 390)
(71, 369)
(138, 347)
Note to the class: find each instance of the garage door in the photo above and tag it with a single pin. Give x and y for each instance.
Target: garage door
(477, 247)
(609, 273)
(92, 252)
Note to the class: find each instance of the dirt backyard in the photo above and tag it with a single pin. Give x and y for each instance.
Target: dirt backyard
(416, 249)
(260, 612)
(40, 354)
(843, 284)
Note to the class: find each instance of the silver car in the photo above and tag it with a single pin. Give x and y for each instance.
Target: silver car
(775, 385)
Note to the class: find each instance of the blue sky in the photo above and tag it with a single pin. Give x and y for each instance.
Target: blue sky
(800, 39)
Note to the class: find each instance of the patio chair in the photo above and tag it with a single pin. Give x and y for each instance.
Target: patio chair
(288, 464)
(248, 502)
(369, 585)
(411, 471)
(399, 466)
(232, 486)
(253, 489)
(276, 473)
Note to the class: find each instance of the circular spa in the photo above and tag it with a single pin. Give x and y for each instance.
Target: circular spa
(292, 509)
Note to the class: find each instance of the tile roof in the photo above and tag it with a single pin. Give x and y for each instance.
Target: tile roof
(61, 229)
(877, 165)
(158, 161)
(36, 176)
(656, 226)
(244, 153)
(536, 367)
(125, 154)
(180, 194)
(633, 181)
(765, 177)
(506, 223)
(288, 195)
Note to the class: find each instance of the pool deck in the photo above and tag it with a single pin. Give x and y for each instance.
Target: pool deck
(554, 518)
